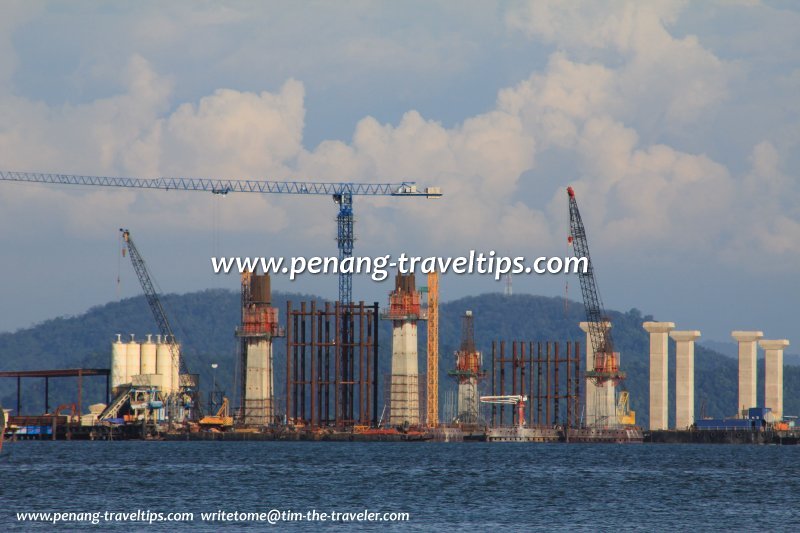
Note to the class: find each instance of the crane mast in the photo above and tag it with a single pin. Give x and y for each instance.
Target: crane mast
(606, 360)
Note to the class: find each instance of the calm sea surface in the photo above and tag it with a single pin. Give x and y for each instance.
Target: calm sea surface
(480, 487)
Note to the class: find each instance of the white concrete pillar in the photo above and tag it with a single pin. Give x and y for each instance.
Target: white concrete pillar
(404, 393)
(258, 409)
(600, 401)
(659, 376)
(684, 377)
(773, 374)
(747, 368)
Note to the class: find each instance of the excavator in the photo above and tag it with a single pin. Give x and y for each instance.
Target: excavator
(625, 416)
(220, 421)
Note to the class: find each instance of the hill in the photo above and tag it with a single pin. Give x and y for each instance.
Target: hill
(204, 322)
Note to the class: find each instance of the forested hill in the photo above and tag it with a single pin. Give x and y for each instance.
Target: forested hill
(205, 321)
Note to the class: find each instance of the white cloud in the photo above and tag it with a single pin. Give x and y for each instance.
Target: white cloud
(617, 74)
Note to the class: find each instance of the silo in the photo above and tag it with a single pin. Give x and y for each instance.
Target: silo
(133, 356)
(148, 356)
(119, 363)
(164, 367)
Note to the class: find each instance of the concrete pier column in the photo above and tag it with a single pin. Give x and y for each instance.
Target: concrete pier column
(773, 374)
(600, 402)
(747, 368)
(684, 377)
(404, 393)
(659, 377)
(258, 409)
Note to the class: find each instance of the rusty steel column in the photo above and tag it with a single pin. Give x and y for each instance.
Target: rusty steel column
(327, 363)
(556, 396)
(547, 380)
(577, 400)
(569, 387)
(313, 395)
(522, 372)
(531, 419)
(539, 395)
(302, 385)
(375, 314)
(514, 365)
(351, 372)
(362, 405)
(502, 377)
(494, 391)
(336, 365)
(289, 327)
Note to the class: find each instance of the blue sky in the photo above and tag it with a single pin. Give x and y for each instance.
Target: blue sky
(678, 124)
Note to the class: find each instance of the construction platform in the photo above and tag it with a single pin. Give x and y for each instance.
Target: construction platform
(723, 436)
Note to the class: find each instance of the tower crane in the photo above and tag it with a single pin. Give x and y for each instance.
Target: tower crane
(341, 192)
(606, 360)
(188, 385)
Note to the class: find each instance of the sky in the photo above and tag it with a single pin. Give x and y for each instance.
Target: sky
(677, 124)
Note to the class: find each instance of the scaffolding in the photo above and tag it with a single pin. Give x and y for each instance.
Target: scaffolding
(259, 326)
(468, 373)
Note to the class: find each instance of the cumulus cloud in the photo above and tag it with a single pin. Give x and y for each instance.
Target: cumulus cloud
(615, 74)
(659, 77)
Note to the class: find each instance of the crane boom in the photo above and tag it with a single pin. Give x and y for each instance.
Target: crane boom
(151, 295)
(342, 193)
(188, 384)
(606, 360)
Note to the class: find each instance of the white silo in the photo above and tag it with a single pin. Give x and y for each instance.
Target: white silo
(119, 362)
(134, 358)
(164, 366)
(148, 355)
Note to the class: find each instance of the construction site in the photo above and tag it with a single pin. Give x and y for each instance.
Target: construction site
(526, 390)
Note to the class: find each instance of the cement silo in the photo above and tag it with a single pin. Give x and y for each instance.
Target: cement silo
(164, 367)
(148, 356)
(119, 363)
(167, 365)
(133, 358)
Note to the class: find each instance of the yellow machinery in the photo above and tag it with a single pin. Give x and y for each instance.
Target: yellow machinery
(625, 416)
(220, 420)
(433, 349)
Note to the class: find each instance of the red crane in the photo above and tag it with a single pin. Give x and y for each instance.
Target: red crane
(606, 360)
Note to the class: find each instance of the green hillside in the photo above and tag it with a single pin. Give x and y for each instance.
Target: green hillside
(205, 321)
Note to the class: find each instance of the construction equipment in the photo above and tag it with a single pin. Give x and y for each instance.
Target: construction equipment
(433, 350)
(342, 194)
(220, 420)
(188, 393)
(468, 372)
(606, 360)
(516, 399)
(113, 408)
(625, 416)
